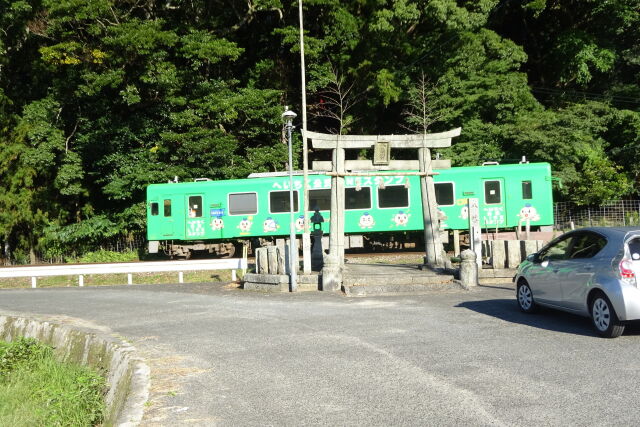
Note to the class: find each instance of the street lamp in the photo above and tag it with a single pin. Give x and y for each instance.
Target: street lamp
(288, 117)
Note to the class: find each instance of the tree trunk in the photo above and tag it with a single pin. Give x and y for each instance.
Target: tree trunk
(7, 250)
(32, 252)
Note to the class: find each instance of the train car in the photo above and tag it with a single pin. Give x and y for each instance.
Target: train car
(210, 215)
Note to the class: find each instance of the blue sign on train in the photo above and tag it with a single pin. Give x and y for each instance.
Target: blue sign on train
(217, 212)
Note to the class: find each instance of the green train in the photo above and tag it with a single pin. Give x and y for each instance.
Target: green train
(212, 216)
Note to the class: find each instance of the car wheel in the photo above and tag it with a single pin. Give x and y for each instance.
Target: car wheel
(604, 317)
(525, 297)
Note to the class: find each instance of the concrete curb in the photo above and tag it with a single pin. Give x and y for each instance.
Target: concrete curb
(73, 340)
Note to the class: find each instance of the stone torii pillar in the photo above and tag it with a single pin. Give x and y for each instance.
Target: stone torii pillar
(338, 168)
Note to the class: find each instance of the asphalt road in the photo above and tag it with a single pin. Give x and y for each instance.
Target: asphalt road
(223, 356)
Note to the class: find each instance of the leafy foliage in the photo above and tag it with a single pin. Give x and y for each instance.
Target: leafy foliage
(108, 256)
(98, 99)
(20, 352)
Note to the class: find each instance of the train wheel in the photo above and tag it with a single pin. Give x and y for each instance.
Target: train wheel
(227, 250)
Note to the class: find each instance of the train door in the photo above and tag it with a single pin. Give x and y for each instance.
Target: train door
(195, 222)
(493, 213)
(161, 219)
(154, 220)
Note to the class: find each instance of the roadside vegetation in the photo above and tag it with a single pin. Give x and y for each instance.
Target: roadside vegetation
(37, 390)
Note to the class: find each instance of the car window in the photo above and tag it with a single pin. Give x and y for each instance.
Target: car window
(634, 248)
(587, 245)
(557, 251)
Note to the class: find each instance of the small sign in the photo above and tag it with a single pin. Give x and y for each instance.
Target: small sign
(381, 153)
(216, 205)
(217, 212)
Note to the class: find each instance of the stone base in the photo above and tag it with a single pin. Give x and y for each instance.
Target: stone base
(398, 279)
(279, 282)
(488, 276)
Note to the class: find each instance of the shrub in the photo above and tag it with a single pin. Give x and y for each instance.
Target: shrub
(108, 256)
(21, 351)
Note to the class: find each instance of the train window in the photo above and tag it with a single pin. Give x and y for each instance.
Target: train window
(357, 199)
(279, 201)
(444, 193)
(393, 196)
(492, 194)
(195, 206)
(527, 192)
(167, 207)
(320, 200)
(154, 208)
(243, 203)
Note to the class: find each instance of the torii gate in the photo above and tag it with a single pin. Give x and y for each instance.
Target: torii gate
(338, 168)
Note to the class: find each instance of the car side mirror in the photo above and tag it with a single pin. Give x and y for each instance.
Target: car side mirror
(533, 257)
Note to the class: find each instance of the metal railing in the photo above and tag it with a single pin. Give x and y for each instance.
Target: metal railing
(81, 270)
(610, 214)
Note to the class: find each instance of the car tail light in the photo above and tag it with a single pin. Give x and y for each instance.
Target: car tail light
(626, 270)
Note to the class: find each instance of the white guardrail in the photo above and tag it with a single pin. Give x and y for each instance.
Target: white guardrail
(80, 270)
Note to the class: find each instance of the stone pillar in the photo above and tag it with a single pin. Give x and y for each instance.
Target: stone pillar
(456, 242)
(499, 254)
(306, 248)
(272, 259)
(513, 253)
(468, 269)
(530, 247)
(262, 265)
(331, 274)
(283, 268)
(432, 241)
(336, 221)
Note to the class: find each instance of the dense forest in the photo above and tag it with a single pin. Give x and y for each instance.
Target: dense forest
(99, 98)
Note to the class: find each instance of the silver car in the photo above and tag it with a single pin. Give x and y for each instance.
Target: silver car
(591, 272)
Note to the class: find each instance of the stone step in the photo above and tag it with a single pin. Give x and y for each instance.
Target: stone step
(396, 289)
(388, 279)
(367, 279)
(279, 282)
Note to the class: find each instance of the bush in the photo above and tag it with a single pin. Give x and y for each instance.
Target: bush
(108, 256)
(22, 351)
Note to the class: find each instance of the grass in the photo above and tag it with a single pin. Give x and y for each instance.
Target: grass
(36, 390)
(390, 258)
(119, 279)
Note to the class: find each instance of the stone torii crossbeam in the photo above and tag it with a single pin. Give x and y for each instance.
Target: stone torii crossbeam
(338, 168)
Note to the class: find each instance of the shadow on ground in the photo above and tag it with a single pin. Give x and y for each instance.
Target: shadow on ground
(551, 320)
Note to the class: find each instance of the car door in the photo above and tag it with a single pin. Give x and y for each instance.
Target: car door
(543, 274)
(576, 272)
